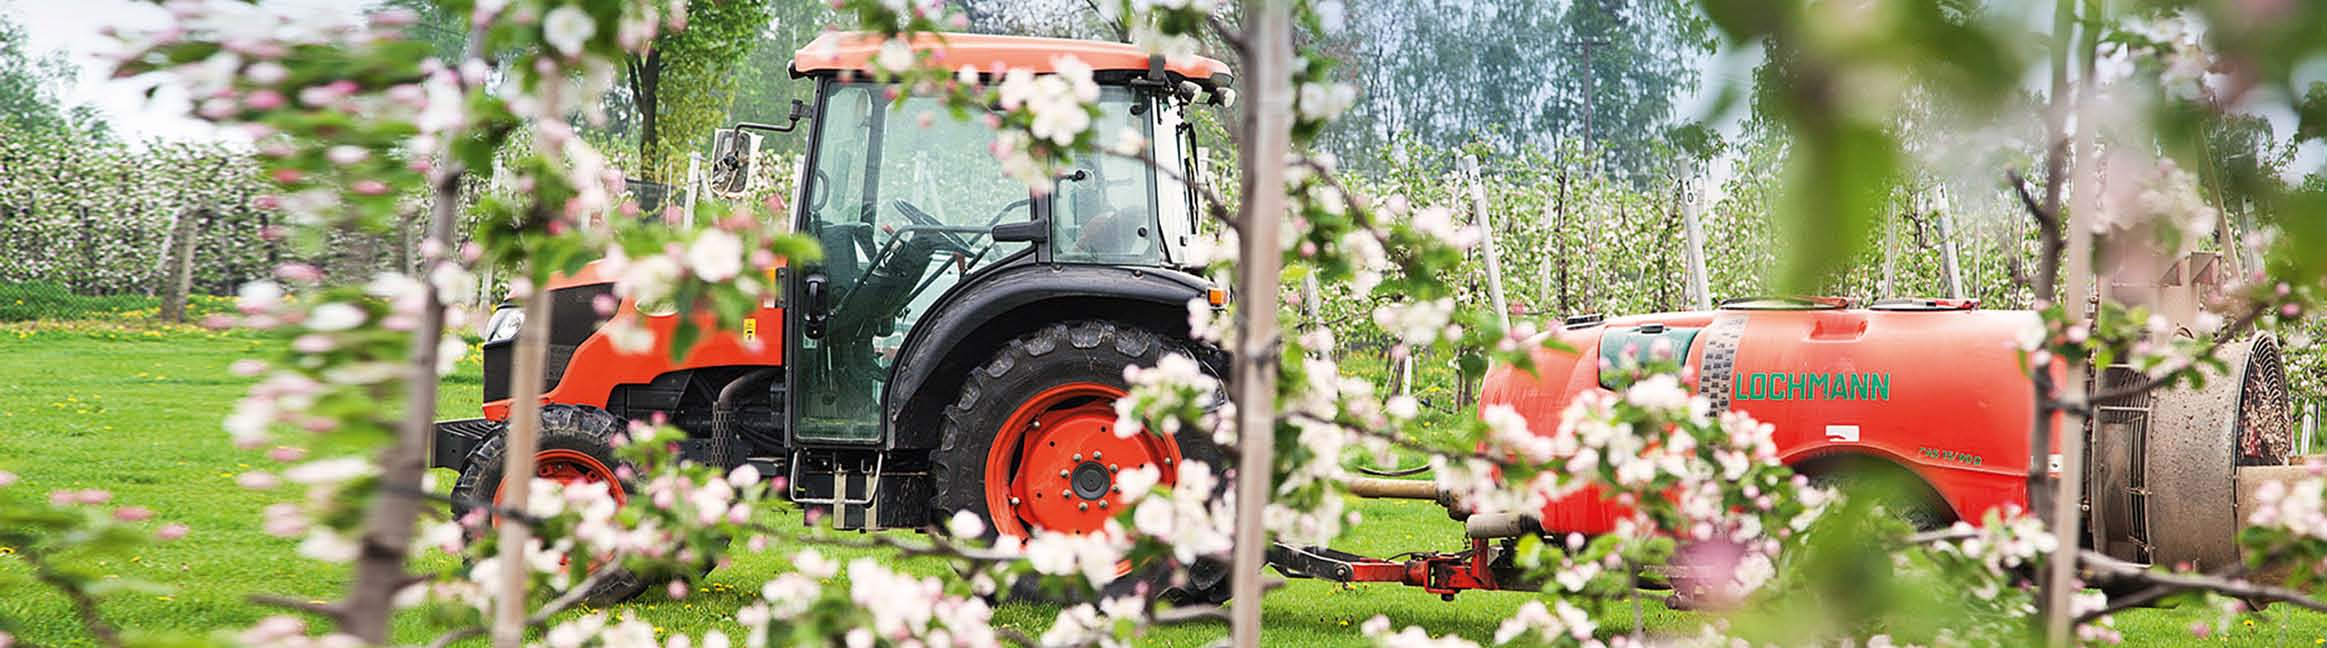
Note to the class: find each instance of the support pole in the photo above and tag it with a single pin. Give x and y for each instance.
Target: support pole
(1313, 309)
(694, 183)
(1552, 224)
(1470, 166)
(1947, 243)
(1890, 284)
(1691, 205)
(524, 435)
(183, 237)
(1253, 379)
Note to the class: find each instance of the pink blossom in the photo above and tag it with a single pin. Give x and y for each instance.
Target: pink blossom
(93, 496)
(263, 99)
(247, 367)
(62, 498)
(133, 514)
(287, 454)
(313, 343)
(395, 18)
(300, 272)
(370, 187)
(678, 589)
(217, 109)
(172, 531)
(7, 479)
(257, 480)
(288, 175)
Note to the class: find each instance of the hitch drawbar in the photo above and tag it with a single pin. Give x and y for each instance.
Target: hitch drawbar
(1486, 565)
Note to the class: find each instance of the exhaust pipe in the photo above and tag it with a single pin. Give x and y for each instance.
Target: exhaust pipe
(723, 450)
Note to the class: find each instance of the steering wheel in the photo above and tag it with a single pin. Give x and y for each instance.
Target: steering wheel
(945, 240)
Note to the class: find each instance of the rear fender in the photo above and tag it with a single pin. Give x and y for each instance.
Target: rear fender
(963, 329)
(596, 366)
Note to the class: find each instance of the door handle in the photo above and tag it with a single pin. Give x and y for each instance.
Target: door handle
(813, 290)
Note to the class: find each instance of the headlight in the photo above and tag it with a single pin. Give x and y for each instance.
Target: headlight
(503, 325)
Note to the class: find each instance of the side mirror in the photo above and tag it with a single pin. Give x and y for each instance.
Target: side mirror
(734, 160)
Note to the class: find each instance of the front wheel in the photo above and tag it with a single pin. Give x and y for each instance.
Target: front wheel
(576, 446)
(1031, 445)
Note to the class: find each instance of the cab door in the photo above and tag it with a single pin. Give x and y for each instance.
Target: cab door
(902, 198)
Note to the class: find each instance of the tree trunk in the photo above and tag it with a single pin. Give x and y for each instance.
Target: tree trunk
(646, 77)
(524, 432)
(2067, 514)
(182, 243)
(1268, 131)
(388, 523)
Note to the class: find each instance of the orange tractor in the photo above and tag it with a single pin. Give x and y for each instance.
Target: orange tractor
(959, 345)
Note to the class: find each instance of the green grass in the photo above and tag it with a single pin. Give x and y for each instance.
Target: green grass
(136, 411)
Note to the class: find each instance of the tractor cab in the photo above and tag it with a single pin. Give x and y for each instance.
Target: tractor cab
(913, 210)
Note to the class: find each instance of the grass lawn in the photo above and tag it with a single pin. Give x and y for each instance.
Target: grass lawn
(136, 410)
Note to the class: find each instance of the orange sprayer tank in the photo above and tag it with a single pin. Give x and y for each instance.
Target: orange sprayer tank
(1934, 387)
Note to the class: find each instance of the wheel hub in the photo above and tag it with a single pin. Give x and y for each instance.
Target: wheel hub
(1091, 481)
(1067, 456)
(572, 468)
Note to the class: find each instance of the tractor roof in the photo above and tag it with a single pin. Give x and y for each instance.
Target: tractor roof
(841, 51)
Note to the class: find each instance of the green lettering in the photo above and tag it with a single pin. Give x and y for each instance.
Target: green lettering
(1840, 384)
(1818, 384)
(1882, 386)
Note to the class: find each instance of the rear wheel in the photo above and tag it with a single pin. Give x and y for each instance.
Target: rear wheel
(576, 447)
(1031, 442)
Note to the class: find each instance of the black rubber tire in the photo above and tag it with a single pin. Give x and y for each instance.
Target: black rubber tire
(1068, 352)
(569, 427)
(1900, 493)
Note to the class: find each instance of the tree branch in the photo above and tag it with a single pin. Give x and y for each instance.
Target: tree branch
(83, 605)
(571, 597)
(2153, 382)
(1403, 442)
(2225, 582)
(1230, 35)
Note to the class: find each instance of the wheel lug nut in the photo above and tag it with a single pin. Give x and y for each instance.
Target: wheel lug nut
(1083, 507)
(1078, 456)
(1062, 472)
(1095, 455)
(1114, 468)
(1013, 501)
(1102, 505)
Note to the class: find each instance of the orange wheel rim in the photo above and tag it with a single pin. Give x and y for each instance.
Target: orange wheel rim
(572, 468)
(1053, 463)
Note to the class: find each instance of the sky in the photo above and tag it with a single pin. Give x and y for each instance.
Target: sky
(73, 28)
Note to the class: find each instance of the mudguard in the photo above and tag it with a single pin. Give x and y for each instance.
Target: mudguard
(964, 327)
